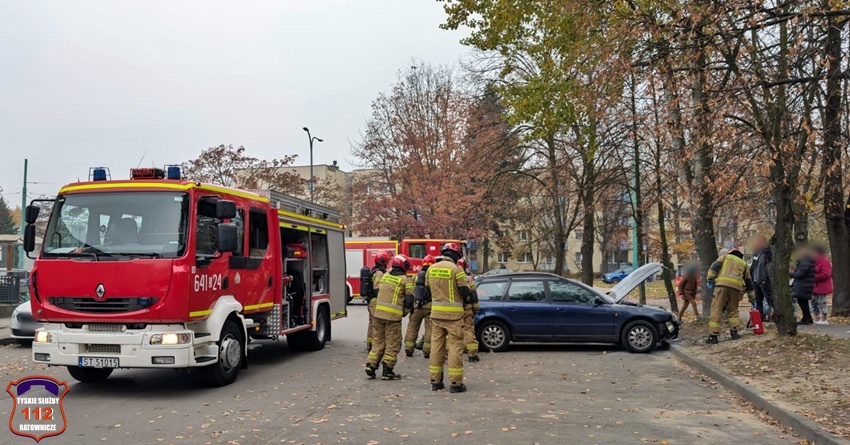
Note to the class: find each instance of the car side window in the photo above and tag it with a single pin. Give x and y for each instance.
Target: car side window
(566, 292)
(529, 291)
(491, 291)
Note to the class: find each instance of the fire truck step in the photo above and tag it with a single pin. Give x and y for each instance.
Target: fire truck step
(254, 346)
(204, 359)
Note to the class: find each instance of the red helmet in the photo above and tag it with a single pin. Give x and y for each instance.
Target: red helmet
(428, 261)
(452, 247)
(382, 257)
(462, 263)
(402, 262)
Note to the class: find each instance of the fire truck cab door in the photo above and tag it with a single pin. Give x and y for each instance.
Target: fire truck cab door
(256, 269)
(209, 278)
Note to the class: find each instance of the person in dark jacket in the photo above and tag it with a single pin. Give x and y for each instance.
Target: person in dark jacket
(804, 283)
(762, 257)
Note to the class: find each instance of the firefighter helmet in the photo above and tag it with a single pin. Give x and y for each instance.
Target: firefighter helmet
(382, 257)
(428, 261)
(452, 247)
(402, 262)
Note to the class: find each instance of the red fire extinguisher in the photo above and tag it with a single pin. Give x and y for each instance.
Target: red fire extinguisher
(755, 322)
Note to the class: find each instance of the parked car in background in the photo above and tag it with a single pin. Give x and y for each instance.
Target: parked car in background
(542, 307)
(617, 275)
(22, 323)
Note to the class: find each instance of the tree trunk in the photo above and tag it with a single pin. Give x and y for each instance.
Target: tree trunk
(557, 215)
(703, 213)
(833, 193)
(588, 195)
(667, 272)
(786, 324)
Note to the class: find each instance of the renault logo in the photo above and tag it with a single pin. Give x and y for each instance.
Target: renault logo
(100, 291)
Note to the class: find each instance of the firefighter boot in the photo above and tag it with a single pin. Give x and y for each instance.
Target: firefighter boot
(389, 374)
(408, 353)
(420, 344)
(457, 388)
(711, 340)
(426, 354)
(370, 371)
(438, 386)
(735, 335)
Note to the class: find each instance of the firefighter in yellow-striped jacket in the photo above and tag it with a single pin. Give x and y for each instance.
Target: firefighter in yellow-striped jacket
(394, 301)
(470, 343)
(449, 291)
(730, 278)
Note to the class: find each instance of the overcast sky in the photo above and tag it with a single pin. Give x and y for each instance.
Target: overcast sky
(89, 83)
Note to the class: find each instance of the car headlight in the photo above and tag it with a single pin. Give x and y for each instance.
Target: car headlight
(43, 337)
(170, 339)
(15, 314)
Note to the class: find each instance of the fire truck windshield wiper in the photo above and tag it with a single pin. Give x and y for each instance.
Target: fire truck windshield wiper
(146, 254)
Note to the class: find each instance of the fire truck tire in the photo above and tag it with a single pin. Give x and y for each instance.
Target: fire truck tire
(89, 375)
(231, 348)
(312, 340)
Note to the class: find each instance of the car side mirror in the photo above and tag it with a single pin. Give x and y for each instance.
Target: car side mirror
(29, 236)
(225, 209)
(598, 301)
(227, 237)
(31, 214)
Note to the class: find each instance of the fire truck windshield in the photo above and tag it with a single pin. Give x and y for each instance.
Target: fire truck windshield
(117, 224)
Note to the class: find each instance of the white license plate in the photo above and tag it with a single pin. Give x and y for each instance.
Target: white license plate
(98, 362)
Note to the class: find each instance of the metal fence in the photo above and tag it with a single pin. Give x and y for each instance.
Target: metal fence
(10, 289)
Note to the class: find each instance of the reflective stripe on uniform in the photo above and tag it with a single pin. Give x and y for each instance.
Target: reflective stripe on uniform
(455, 371)
(388, 307)
(435, 369)
(734, 321)
(439, 272)
(410, 344)
(373, 356)
(712, 324)
(439, 306)
(472, 346)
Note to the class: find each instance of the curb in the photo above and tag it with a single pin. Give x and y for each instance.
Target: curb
(806, 428)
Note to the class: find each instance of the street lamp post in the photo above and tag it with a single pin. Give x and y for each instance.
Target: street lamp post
(311, 183)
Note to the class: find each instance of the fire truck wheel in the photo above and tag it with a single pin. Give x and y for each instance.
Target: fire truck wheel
(231, 353)
(89, 375)
(314, 340)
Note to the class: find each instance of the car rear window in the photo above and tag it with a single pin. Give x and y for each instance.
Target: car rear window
(492, 290)
(531, 291)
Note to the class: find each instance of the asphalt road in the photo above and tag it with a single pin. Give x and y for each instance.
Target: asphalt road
(530, 394)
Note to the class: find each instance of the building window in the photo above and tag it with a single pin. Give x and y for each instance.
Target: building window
(579, 233)
(524, 258)
(504, 257)
(578, 257)
(524, 235)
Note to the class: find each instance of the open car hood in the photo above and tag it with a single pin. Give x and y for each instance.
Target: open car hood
(619, 292)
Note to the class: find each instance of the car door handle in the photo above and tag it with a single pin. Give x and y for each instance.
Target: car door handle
(512, 309)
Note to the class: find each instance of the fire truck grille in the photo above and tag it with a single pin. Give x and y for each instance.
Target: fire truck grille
(110, 306)
(106, 327)
(103, 349)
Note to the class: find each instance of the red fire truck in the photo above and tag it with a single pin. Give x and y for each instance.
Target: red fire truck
(160, 272)
(359, 252)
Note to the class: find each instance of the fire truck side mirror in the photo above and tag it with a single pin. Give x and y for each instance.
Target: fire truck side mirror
(227, 237)
(29, 238)
(32, 214)
(225, 209)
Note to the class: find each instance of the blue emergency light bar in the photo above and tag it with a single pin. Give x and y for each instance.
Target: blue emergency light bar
(98, 174)
(172, 172)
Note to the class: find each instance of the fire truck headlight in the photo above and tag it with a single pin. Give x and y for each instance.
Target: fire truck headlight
(170, 339)
(43, 337)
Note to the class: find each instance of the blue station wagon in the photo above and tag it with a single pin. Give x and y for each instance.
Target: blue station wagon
(542, 307)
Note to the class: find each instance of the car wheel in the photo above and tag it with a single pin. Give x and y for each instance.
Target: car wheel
(615, 280)
(494, 336)
(89, 375)
(231, 355)
(639, 336)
